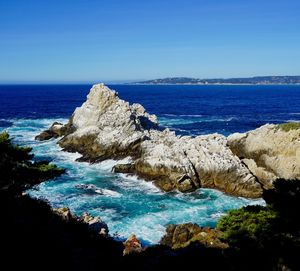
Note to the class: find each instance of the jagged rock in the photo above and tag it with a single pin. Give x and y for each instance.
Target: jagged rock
(64, 212)
(180, 236)
(106, 127)
(56, 130)
(269, 152)
(185, 184)
(132, 245)
(124, 168)
(265, 177)
(205, 160)
(94, 223)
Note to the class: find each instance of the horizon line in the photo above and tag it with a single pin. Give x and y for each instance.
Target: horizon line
(121, 81)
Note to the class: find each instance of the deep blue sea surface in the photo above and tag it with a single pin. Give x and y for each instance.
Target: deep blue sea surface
(127, 204)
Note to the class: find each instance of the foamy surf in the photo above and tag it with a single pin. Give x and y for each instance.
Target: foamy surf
(98, 190)
(125, 202)
(130, 181)
(108, 165)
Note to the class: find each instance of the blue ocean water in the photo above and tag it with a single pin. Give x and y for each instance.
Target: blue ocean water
(127, 204)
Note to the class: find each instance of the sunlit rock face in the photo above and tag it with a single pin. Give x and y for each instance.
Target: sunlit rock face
(270, 152)
(106, 126)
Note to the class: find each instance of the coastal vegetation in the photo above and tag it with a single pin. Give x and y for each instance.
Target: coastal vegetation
(272, 230)
(246, 225)
(286, 127)
(18, 171)
(270, 235)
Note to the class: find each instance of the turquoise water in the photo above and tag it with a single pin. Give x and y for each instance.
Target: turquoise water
(127, 204)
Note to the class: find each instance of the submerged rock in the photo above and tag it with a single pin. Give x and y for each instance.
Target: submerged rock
(270, 152)
(106, 127)
(132, 245)
(180, 236)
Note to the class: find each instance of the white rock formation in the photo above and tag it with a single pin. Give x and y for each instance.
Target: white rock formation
(269, 152)
(107, 127)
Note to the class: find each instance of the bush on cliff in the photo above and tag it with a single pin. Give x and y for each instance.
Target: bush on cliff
(32, 235)
(247, 226)
(286, 127)
(273, 230)
(17, 170)
(280, 215)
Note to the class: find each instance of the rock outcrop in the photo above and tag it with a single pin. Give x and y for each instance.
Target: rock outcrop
(181, 236)
(64, 213)
(94, 223)
(187, 163)
(132, 245)
(56, 130)
(106, 127)
(270, 152)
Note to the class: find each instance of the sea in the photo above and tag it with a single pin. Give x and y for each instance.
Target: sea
(126, 203)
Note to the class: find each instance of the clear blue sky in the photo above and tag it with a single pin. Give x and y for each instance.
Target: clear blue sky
(70, 41)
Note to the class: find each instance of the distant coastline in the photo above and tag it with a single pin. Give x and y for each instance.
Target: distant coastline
(210, 84)
(259, 80)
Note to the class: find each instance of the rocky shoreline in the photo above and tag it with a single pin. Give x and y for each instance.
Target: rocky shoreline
(176, 237)
(107, 127)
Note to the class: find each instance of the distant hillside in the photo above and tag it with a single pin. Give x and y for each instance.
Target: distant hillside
(258, 80)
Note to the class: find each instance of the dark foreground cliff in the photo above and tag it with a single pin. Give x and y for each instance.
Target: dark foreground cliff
(33, 237)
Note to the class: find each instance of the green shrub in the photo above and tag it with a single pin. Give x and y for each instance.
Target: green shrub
(4, 138)
(13, 152)
(276, 225)
(18, 172)
(288, 126)
(248, 225)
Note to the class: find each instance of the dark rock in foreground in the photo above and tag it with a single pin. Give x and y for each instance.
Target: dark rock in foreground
(183, 235)
(132, 245)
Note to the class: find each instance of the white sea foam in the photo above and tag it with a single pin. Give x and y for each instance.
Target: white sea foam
(107, 165)
(125, 202)
(191, 116)
(182, 121)
(107, 192)
(293, 121)
(130, 181)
